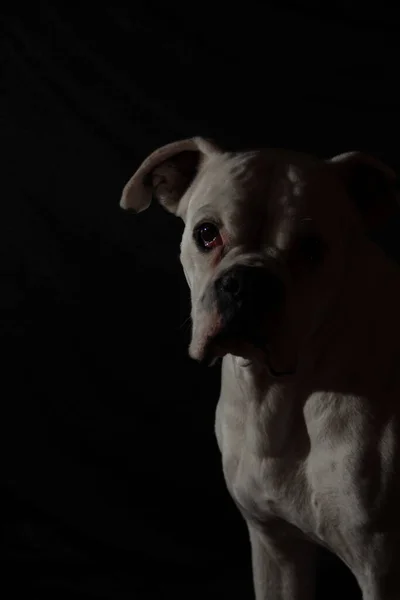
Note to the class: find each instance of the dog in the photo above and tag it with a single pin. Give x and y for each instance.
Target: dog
(303, 308)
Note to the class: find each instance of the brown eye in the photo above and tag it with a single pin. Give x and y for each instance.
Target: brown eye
(207, 236)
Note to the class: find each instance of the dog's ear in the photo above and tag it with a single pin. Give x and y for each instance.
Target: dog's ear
(166, 175)
(371, 185)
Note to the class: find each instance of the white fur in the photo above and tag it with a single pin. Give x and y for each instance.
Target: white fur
(310, 458)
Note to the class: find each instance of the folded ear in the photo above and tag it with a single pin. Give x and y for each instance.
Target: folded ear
(371, 185)
(166, 175)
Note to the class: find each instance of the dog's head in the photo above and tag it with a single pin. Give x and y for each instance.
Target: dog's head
(267, 238)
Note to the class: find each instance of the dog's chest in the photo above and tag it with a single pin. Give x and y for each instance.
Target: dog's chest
(263, 451)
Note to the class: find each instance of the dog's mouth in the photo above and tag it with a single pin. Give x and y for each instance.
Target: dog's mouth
(230, 343)
(254, 349)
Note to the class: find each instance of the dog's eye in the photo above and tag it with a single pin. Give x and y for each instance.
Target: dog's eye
(312, 249)
(207, 236)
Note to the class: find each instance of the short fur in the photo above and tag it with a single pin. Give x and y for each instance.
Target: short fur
(308, 424)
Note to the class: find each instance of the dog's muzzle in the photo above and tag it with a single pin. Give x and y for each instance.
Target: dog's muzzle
(247, 297)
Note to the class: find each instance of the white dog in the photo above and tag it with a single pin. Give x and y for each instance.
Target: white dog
(288, 288)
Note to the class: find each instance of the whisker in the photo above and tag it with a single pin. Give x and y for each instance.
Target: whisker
(186, 322)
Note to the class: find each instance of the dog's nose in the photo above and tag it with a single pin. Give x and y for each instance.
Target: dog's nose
(230, 283)
(244, 294)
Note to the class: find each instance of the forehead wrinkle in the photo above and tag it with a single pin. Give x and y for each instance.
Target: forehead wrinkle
(264, 183)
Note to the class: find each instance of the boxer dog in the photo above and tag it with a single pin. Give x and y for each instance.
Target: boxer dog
(287, 286)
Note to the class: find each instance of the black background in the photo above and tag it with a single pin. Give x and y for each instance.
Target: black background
(111, 477)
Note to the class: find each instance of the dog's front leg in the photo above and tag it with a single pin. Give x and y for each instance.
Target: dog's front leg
(283, 568)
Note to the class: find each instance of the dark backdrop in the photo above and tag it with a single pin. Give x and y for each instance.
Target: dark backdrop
(110, 474)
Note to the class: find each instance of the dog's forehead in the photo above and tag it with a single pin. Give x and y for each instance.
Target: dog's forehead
(248, 183)
(221, 182)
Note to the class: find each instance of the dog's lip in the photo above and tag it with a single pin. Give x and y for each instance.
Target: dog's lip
(239, 345)
(250, 348)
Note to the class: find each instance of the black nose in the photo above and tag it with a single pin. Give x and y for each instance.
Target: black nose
(230, 283)
(244, 294)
